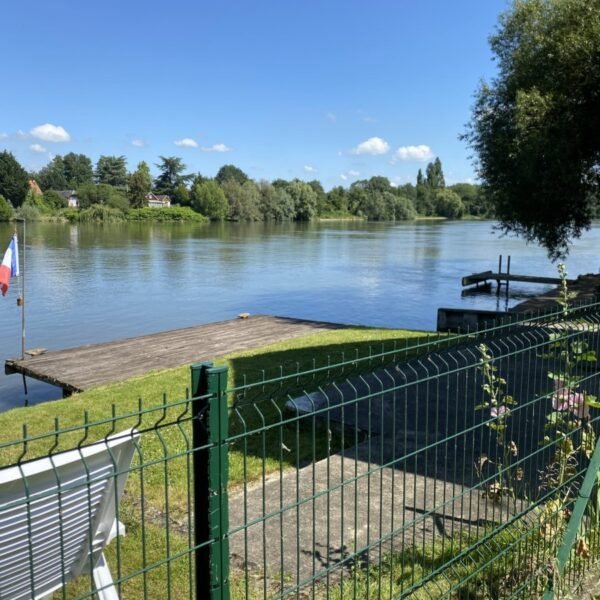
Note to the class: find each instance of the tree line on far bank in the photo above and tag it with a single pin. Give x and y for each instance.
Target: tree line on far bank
(110, 192)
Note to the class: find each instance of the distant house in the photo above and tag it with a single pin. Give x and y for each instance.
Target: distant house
(71, 197)
(34, 188)
(158, 200)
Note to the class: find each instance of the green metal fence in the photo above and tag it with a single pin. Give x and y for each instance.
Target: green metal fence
(461, 466)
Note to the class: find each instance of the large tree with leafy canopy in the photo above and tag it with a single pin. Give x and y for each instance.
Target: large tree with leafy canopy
(231, 172)
(52, 176)
(171, 175)
(140, 184)
(112, 170)
(13, 179)
(536, 128)
(78, 169)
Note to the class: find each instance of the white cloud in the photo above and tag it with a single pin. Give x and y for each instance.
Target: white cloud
(50, 133)
(421, 153)
(374, 146)
(393, 184)
(344, 177)
(37, 148)
(217, 148)
(369, 119)
(309, 169)
(186, 143)
(331, 116)
(353, 173)
(137, 142)
(3, 136)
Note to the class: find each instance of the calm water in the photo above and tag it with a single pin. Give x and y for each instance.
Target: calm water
(89, 284)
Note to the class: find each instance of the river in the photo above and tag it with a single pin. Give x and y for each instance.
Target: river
(94, 283)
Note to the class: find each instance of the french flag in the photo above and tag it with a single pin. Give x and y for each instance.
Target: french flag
(10, 265)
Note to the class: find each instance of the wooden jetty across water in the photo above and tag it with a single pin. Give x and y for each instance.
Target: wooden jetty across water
(504, 278)
(85, 367)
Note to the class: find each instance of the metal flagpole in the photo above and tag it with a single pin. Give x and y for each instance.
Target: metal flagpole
(21, 302)
(23, 292)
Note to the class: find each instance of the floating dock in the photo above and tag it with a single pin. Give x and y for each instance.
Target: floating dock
(85, 367)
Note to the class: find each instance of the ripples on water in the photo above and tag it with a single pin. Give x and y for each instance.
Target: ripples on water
(89, 284)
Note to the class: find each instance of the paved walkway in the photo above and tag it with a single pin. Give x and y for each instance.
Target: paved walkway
(304, 524)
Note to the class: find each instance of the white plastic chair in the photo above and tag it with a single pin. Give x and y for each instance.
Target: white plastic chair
(56, 516)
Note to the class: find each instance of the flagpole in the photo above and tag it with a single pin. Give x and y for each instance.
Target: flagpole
(21, 301)
(23, 293)
(21, 296)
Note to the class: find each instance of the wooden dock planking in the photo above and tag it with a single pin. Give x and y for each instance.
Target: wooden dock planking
(93, 365)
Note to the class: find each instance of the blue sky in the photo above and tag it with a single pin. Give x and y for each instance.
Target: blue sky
(329, 90)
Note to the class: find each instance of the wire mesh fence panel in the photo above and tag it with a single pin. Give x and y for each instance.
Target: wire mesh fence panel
(447, 474)
(144, 530)
(437, 467)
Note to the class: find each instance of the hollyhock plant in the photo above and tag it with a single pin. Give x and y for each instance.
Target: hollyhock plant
(498, 411)
(565, 399)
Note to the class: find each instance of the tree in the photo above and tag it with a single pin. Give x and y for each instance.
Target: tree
(171, 175)
(305, 200)
(243, 200)
(52, 176)
(536, 128)
(275, 203)
(181, 195)
(404, 209)
(102, 194)
(6, 210)
(77, 169)
(379, 184)
(448, 204)
(231, 172)
(208, 198)
(140, 184)
(337, 199)
(435, 175)
(37, 203)
(473, 198)
(408, 190)
(13, 179)
(112, 170)
(317, 188)
(54, 200)
(424, 202)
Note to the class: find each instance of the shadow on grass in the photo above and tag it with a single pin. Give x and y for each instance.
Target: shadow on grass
(268, 433)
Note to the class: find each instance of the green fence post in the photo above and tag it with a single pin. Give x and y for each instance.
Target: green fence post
(581, 503)
(211, 469)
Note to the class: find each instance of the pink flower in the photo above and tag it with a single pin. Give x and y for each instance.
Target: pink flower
(498, 411)
(565, 399)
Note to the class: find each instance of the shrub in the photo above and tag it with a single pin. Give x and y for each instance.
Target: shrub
(6, 209)
(164, 215)
(101, 213)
